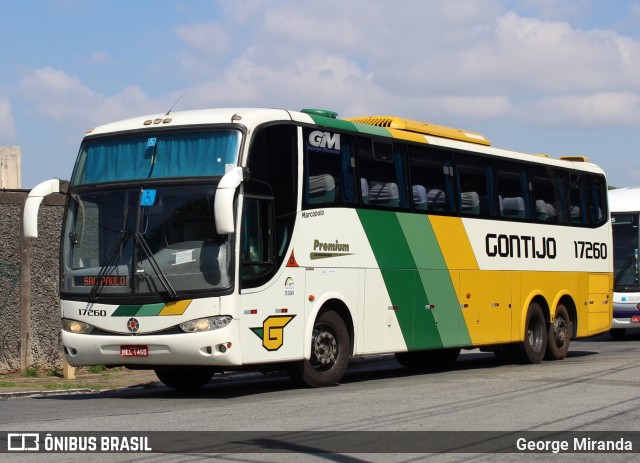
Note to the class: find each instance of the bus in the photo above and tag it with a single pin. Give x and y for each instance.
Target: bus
(206, 241)
(625, 211)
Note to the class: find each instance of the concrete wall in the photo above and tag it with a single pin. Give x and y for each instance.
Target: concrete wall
(10, 167)
(29, 285)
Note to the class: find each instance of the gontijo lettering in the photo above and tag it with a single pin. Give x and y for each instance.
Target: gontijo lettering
(529, 247)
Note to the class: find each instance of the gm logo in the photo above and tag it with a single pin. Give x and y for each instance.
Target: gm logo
(324, 139)
(272, 331)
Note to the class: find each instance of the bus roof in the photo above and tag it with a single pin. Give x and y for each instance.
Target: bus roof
(624, 199)
(385, 126)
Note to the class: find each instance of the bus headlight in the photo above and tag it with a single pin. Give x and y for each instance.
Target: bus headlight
(205, 324)
(73, 326)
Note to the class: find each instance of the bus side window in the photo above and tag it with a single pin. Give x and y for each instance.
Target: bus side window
(329, 172)
(513, 191)
(548, 190)
(382, 174)
(475, 186)
(257, 247)
(597, 190)
(577, 201)
(431, 180)
(273, 161)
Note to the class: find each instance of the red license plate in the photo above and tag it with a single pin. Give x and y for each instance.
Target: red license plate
(635, 318)
(134, 351)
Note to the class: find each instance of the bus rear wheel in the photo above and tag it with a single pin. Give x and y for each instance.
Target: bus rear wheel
(330, 347)
(559, 335)
(532, 349)
(185, 378)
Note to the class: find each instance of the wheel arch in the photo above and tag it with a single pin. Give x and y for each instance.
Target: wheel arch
(568, 302)
(538, 298)
(329, 302)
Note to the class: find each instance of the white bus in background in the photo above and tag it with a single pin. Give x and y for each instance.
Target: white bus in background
(625, 213)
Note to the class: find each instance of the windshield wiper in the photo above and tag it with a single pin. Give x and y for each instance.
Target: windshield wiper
(625, 267)
(113, 253)
(154, 265)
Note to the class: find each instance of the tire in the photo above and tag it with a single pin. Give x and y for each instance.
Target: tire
(559, 335)
(185, 378)
(330, 352)
(428, 359)
(617, 333)
(532, 349)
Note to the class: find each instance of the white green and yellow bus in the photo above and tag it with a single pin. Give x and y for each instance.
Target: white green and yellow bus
(213, 240)
(625, 215)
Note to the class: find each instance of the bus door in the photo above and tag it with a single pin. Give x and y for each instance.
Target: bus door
(271, 301)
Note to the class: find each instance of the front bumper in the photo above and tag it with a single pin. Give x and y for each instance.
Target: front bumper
(202, 349)
(622, 314)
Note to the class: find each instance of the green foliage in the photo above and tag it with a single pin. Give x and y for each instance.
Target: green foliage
(31, 372)
(69, 385)
(97, 368)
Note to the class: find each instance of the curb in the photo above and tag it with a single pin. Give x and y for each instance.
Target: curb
(232, 376)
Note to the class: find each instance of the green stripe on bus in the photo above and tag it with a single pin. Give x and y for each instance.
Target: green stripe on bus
(372, 129)
(333, 123)
(398, 267)
(150, 310)
(435, 280)
(147, 310)
(126, 311)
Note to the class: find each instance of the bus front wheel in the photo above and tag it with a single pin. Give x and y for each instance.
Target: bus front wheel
(330, 347)
(559, 335)
(184, 378)
(532, 349)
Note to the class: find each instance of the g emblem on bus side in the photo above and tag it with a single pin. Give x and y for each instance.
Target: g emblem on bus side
(272, 331)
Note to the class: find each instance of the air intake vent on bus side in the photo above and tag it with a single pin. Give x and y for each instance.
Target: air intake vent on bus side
(398, 123)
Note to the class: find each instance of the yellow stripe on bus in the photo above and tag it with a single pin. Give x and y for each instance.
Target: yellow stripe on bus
(175, 308)
(454, 243)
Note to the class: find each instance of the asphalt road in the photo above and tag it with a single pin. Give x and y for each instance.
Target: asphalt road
(595, 389)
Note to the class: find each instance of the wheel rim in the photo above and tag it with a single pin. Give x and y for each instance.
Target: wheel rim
(561, 329)
(324, 348)
(534, 334)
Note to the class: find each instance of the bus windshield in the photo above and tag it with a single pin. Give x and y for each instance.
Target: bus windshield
(144, 241)
(625, 259)
(196, 153)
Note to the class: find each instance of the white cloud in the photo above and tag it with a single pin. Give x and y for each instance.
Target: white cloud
(465, 60)
(100, 57)
(474, 107)
(62, 97)
(7, 124)
(607, 109)
(208, 39)
(57, 95)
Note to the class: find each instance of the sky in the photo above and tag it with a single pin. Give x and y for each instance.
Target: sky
(559, 77)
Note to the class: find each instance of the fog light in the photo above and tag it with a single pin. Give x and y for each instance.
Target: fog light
(74, 326)
(222, 348)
